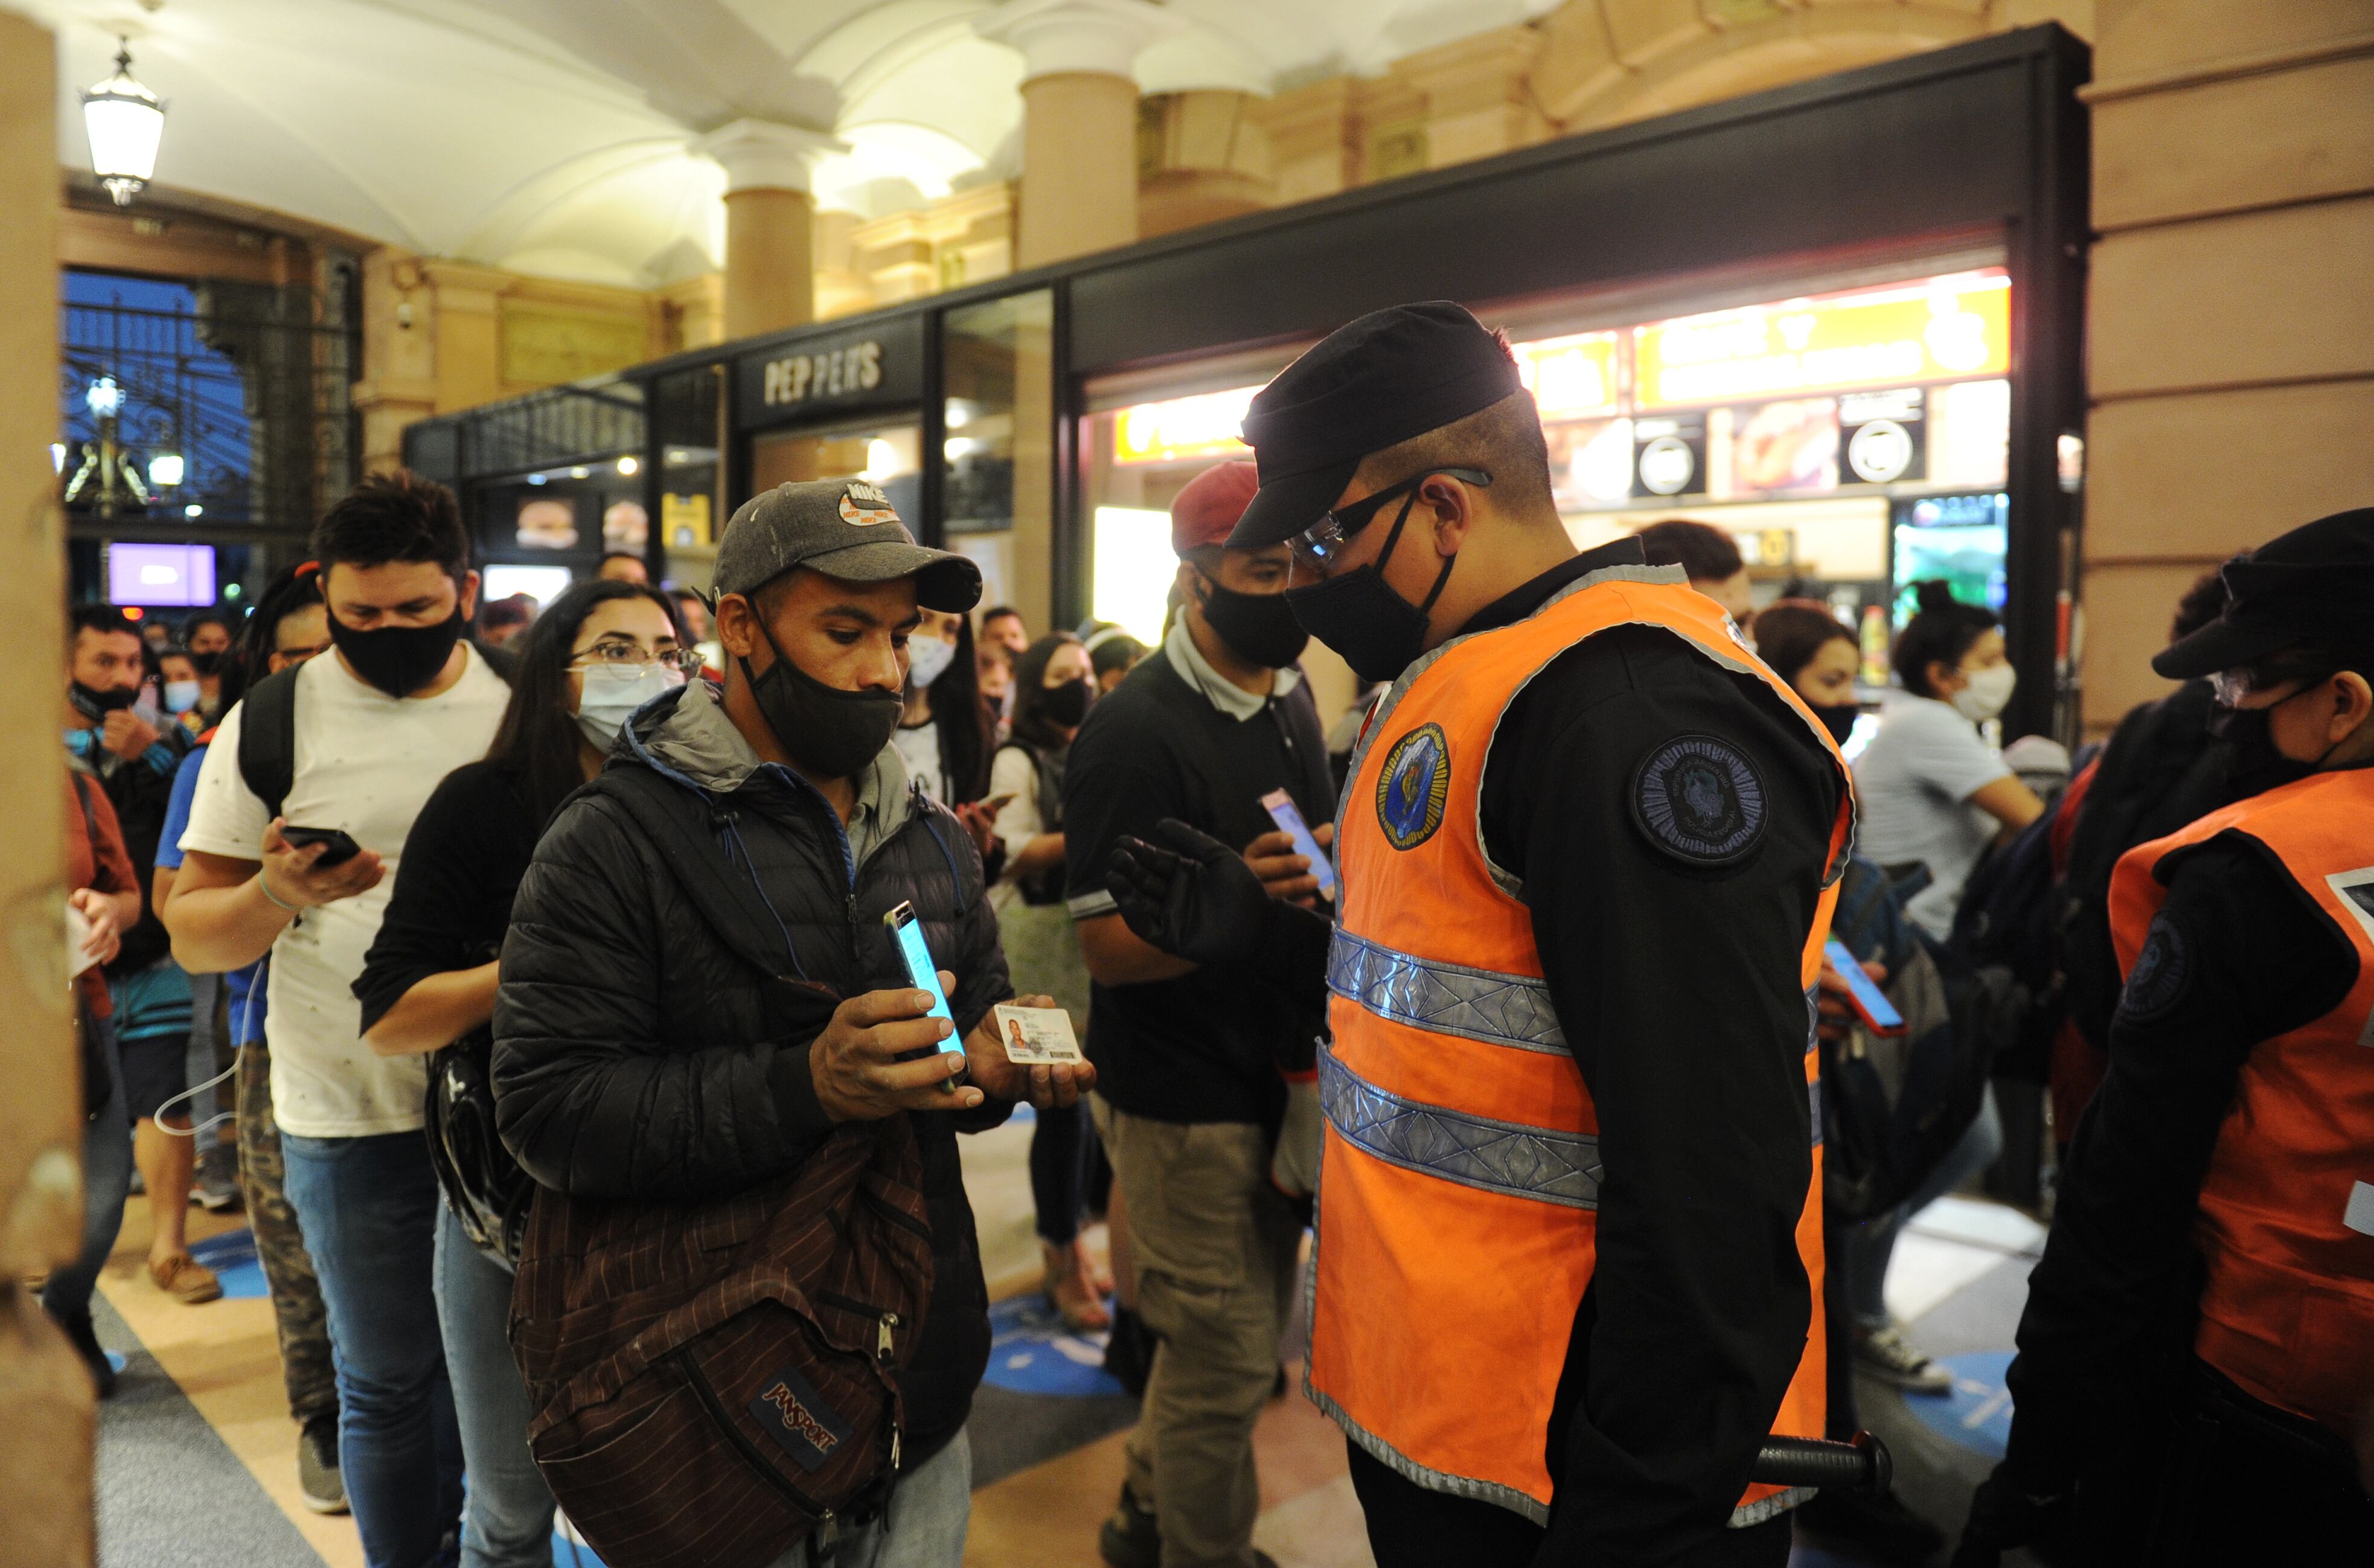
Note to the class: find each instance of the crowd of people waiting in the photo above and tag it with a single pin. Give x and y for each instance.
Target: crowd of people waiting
(598, 1144)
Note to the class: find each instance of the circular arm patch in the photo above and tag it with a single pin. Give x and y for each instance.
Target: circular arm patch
(1697, 798)
(2161, 974)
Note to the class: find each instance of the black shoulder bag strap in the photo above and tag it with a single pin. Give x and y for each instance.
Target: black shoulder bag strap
(267, 739)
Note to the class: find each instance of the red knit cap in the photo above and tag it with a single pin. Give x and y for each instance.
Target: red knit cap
(1203, 513)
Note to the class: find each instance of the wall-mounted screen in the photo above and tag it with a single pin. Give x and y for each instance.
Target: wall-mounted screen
(161, 576)
(541, 583)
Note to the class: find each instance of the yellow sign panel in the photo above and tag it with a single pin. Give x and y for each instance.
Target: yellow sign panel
(1183, 427)
(1945, 328)
(1571, 378)
(684, 520)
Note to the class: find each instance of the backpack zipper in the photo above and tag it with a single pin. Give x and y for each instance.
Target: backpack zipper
(885, 1321)
(707, 1394)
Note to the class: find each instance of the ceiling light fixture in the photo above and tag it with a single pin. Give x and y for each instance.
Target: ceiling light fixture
(125, 122)
(628, 464)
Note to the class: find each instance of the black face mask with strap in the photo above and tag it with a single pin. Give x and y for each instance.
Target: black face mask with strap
(830, 730)
(1360, 616)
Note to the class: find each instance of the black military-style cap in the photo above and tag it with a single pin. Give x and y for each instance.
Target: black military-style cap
(1369, 384)
(2313, 583)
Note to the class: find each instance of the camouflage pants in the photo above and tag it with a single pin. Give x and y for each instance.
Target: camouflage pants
(280, 1246)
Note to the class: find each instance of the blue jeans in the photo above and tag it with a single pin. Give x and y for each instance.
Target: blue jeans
(923, 1527)
(106, 1182)
(506, 1520)
(369, 1209)
(1870, 1245)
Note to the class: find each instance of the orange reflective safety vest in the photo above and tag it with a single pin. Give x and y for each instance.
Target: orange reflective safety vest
(2286, 1224)
(1457, 1210)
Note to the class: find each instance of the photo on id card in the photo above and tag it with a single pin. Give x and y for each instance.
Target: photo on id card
(1037, 1036)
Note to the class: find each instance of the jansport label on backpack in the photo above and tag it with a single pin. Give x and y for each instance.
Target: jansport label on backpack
(796, 1416)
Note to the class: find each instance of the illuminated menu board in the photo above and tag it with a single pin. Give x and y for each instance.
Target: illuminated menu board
(1952, 328)
(1183, 427)
(1572, 378)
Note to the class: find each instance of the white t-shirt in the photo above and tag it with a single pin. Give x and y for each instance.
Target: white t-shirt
(1913, 783)
(919, 748)
(365, 762)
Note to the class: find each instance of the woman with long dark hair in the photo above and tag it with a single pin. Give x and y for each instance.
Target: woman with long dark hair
(1052, 688)
(597, 653)
(944, 734)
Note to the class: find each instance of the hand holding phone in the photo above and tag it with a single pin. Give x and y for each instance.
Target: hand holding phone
(1289, 818)
(922, 973)
(307, 868)
(342, 845)
(1870, 1003)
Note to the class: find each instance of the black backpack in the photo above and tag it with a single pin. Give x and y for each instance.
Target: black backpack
(2007, 929)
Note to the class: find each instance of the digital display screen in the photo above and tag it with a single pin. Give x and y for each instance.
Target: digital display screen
(161, 576)
(921, 971)
(541, 583)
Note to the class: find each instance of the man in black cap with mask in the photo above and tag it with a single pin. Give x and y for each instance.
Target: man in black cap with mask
(1199, 1071)
(1568, 1259)
(639, 1053)
(2197, 1353)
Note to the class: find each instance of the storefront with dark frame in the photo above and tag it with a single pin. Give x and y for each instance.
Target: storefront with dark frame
(1976, 151)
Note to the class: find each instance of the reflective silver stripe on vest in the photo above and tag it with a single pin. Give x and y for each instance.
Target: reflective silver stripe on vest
(1476, 1151)
(1448, 999)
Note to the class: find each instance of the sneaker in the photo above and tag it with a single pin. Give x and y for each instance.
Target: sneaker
(1888, 1355)
(84, 1339)
(1882, 1525)
(217, 1188)
(318, 1480)
(1129, 1538)
(185, 1279)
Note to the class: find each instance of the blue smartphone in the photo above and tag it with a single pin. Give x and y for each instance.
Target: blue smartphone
(1870, 1003)
(1289, 817)
(923, 975)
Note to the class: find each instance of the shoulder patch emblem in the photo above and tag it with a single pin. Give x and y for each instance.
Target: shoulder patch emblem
(1699, 799)
(2161, 976)
(1412, 786)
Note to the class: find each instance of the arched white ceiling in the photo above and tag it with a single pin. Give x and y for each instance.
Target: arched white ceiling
(551, 136)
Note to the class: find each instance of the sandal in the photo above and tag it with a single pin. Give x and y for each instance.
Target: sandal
(185, 1279)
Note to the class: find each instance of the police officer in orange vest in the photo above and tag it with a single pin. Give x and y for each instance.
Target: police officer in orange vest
(2198, 1347)
(1568, 1262)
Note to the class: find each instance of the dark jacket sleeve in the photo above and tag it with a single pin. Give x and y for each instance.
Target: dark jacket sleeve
(1679, 990)
(469, 841)
(2111, 1307)
(587, 1097)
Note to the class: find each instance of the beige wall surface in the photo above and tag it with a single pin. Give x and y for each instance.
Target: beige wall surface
(2231, 316)
(45, 1394)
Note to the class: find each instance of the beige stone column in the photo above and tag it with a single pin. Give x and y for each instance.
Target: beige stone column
(2231, 323)
(1079, 118)
(45, 1394)
(770, 221)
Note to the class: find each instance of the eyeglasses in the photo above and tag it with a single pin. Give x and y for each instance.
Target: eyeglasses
(2230, 686)
(687, 661)
(1326, 539)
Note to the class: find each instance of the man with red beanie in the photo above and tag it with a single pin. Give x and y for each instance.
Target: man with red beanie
(1193, 1064)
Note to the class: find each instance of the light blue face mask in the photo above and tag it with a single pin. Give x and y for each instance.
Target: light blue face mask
(180, 696)
(613, 692)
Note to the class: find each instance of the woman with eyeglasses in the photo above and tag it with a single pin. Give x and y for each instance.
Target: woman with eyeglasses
(596, 654)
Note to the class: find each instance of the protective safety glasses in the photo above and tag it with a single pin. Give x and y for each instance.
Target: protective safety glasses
(2234, 688)
(1326, 539)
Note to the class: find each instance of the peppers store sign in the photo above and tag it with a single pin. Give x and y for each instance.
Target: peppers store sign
(831, 374)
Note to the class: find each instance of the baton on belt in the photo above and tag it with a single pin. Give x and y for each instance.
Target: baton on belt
(1859, 1465)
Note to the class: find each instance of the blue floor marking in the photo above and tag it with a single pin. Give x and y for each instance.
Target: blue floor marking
(1977, 1414)
(568, 1552)
(232, 1257)
(1031, 1353)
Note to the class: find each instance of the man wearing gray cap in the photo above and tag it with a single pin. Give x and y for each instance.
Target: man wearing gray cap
(701, 992)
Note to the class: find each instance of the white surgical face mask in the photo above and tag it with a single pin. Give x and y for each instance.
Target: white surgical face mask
(928, 659)
(614, 692)
(1986, 694)
(180, 696)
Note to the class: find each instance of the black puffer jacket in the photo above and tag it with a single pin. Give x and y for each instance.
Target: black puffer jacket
(636, 1055)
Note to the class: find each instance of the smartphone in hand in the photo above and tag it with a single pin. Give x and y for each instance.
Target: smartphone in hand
(906, 933)
(342, 849)
(1869, 1002)
(1289, 818)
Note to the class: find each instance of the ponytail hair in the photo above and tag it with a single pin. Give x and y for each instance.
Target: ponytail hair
(1940, 632)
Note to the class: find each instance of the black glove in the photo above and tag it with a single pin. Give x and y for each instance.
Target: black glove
(1195, 899)
(2002, 1516)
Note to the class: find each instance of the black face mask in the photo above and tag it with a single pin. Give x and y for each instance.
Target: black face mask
(399, 660)
(93, 703)
(1838, 718)
(1258, 628)
(2254, 766)
(1377, 630)
(209, 663)
(1067, 704)
(832, 732)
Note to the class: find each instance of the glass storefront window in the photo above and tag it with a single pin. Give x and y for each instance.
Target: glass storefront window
(884, 449)
(687, 410)
(998, 462)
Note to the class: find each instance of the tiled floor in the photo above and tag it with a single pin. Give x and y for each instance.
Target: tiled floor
(1959, 1278)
